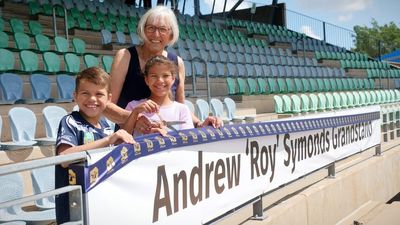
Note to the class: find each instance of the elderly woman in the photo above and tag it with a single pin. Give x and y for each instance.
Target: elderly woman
(157, 29)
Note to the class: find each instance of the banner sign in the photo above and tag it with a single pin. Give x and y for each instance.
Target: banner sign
(199, 174)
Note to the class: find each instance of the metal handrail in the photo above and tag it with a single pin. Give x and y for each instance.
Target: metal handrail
(198, 59)
(65, 21)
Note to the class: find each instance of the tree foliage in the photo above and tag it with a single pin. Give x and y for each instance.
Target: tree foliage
(368, 39)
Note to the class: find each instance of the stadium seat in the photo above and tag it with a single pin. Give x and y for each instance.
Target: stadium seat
(278, 103)
(52, 116)
(66, 88)
(305, 103)
(90, 60)
(34, 27)
(231, 112)
(11, 88)
(262, 85)
(79, 46)
(12, 189)
(217, 108)
(72, 63)
(43, 179)
(202, 109)
(190, 105)
(22, 41)
(321, 101)
(17, 25)
(287, 104)
(51, 62)
(62, 45)
(242, 86)
(29, 61)
(22, 125)
(231, 83)
(313, 102)
(42, 43)
(134, 38)
(107, 61)
(41, 88)
(106, 37)
(121, 39)
(4, 40)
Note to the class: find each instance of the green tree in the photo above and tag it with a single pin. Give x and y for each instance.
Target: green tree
(368, 39)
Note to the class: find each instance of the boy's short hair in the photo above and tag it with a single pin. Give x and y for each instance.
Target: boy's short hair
(95, 75)
(160, 60)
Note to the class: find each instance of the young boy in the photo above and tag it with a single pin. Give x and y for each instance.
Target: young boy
(86, 129)
(159, 75)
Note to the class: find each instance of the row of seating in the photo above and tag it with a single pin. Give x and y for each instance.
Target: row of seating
(12, 89)
(29, 62)
(383, 73)
(13, 185)
(251, 86)
(300, 103)
(42, 43)
(226, 110)
(23, 127)
(243, 58)
(189, 44)
(249, 70)
(354, 64)
(320, 55)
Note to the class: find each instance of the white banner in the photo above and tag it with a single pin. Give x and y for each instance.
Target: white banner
(197, 183)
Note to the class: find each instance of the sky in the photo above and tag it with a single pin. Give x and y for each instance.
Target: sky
(343, 13)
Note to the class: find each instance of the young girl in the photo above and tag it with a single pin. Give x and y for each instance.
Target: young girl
(159, 75)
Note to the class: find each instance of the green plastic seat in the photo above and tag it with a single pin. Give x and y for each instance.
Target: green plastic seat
(282, 85)
(372, 97)
(321, 101)
(1, 24)
(378, 98)
(313, 85)
(51, 62)
(90, 61)
(344, 100)
(107, 62)
(367, 97)
(350, 99)
(337, 101)
(278, 103)
(4, 40)
(61, 44)
(272, 86)
(289, 85)
(356, 102)
(305, 103)
(362, 98)
(22, 41)
(79, 46)
(287, 104)
(231, 83)
(329, 101)
(72, 63)
(42, 43)
(262, 85)
(252, 86)
(320, 85)
(7, 60)
(17, 25)
(306, 85)
(34, 8)
(296, 103)
(35, 27)
(29, 61)
(242, 86)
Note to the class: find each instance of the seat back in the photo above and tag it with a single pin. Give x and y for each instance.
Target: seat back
(107, 62)
(11, 189)
(66, 86)
(22, 41)
(22, 124)
(43, 179)
(34, 27)
(42, 42)
(72, 63)
(217, 108)
(106, 37)
(134, 38)
(51, 62)
(203, 109)
(62, 44)
(278, 102)
(120, 37)
(29, 61)
(78, 45)
(190, 105)
(52, 117)
(11, 87)
(90, 61)
(230, 108)
(41, 87)
(4, 40)
(16, 25)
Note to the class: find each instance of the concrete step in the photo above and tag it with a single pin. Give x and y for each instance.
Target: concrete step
(388, 214)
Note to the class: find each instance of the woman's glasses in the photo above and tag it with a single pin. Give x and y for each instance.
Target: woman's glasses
(152, 29)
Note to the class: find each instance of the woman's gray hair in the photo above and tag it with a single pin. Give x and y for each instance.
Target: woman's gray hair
(159, 13)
